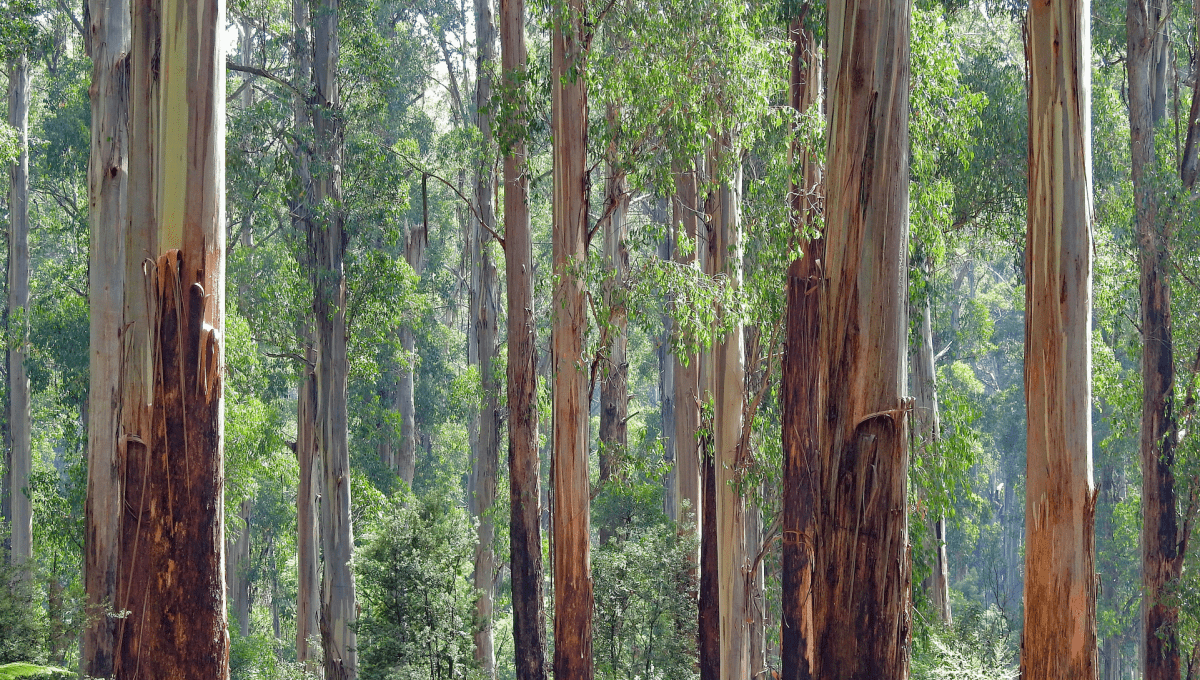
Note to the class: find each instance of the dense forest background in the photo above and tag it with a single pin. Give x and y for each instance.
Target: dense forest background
(660, 75)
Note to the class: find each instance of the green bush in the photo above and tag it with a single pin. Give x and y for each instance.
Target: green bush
(645, 621)
(978, 647)
(23, 635)
(23, 671)
(417, 618)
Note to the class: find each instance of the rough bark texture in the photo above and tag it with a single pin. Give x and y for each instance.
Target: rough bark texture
(928, 425)
(573, 598)
(861, 576)
(172, 553)
(686, 377)
(1162, 556)
(800, 387)
(1059, 639)
(486, 308)
(666, 393)
(20, 451)
(525, 537)
(327, 247)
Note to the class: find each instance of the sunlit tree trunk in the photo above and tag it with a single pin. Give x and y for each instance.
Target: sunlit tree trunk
(800, 388)
(20, 453)
(172, 552)
(1162, 557)
(728, 384)
(525, 538)
(573, 597)
(861, 575)
(108, 176)
(486, 310)
(1059, 640)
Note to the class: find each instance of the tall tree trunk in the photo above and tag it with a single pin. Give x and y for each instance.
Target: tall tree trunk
(414, 253)
(1059, 640)
(308, 563)
(525, 538)
(107, 186)
(756, 601)
(486, 311)
(172, 552)
(614, 369)
(861, 576)
(929, 424)
(709, 627)
(327, 247)
(1162, 559)
(728, 396)
(686, 376)
(800, 389)
(237, 573)
(573, 597)
(20, 451)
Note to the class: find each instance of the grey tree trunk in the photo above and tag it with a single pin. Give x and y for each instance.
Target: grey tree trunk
(614, 368)
(486, 310)
(406, 458)
(327, 247)
(20, 451)
(928, 424)
(1162, 557)
(1059, 640)
(308, 563)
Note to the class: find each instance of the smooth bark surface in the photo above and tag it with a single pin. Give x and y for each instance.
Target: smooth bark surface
(928, 425)
(614, 368)
(525, 536)
(327, 247)
(573, 597)
(20, 451)
(172, 552)
(308, 564)
(486, 309)
(686, 376)
(800, 385)
(1059, 639)
(861, 575)
(728, 396)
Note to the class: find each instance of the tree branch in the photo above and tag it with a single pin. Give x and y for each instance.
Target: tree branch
(264, 74)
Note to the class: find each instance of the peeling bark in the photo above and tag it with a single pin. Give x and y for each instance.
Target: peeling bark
(172, 572)
(861, 575)
(573, 597)
(686, 211)
(1059, 639)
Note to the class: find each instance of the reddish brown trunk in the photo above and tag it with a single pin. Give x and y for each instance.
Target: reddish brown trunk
(573, 596)
(308, 566)
(801, 397)
(525, 540)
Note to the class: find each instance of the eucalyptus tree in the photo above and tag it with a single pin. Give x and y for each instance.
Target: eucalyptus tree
(20, 452)
(1060, 593)
(860, 590)
(1162, 553)
(107, 186)
(525, 542)
(171, 547)
(800, 382)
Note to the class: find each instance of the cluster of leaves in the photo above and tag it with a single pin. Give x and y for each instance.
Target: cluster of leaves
(414, 590)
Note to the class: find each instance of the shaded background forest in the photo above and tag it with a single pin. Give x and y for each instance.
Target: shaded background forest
(408, 77)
